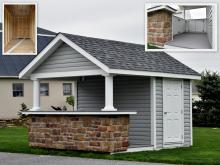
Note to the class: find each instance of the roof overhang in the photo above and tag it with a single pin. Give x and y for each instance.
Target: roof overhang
(189, 7)
(27, 72)
(161, 7)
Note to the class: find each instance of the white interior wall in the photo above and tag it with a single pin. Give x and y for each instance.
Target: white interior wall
(191, 25)
(179, 25)
(209, 11)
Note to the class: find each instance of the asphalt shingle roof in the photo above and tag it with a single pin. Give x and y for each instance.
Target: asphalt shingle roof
(114, 54)
(128, 56)
(11, 65)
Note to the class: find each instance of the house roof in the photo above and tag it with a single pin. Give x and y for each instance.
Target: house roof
(11, 65)
(161, 7)
(117, 57)
(129, 56)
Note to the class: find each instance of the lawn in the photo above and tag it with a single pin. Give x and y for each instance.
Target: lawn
(206, 149)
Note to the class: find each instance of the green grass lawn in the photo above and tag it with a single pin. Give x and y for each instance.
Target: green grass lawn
(206, 149)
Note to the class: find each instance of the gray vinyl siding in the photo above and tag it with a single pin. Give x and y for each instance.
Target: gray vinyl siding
(130, 94)
(133, 94)
(91, 93)
(187, 121)
(159, 112)
(64, 59)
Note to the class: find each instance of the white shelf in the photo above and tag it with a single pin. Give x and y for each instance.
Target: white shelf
(76, 113)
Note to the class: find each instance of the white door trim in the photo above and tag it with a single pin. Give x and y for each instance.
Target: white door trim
(182, 113)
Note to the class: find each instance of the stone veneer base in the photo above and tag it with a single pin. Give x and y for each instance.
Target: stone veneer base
(85, 133)
(159, 27)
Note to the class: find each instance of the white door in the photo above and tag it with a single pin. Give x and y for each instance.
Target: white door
(172, 111)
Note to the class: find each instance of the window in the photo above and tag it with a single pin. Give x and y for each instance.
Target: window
(67, 89)
(44, 89)
(18, 89)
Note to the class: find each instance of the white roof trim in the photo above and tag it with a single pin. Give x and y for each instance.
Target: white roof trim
(68, 74)
(75, 113)
(153, 74)
(61, 38)
(162, 7)
(46, 35)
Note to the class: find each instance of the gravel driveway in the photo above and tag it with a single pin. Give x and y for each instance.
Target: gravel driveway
(27, 159)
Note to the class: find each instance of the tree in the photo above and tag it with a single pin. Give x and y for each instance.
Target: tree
(70, 101)
(209, 92)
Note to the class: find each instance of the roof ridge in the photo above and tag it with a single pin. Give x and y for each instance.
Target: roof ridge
(111, 40)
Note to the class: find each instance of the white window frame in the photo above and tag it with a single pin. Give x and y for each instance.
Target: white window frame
(41, 94)
(71, 89)
(22, 84)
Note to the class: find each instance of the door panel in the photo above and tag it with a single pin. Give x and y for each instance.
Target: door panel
(172, 108)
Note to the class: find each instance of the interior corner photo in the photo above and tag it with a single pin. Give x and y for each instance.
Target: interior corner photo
(19, 32)
(180, 26)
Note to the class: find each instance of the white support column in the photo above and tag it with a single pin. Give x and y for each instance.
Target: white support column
(75, 95)
(153, 111)
(109, 94)
(36, 95)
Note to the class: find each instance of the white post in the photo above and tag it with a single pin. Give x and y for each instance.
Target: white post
(75, 95)
(153, 111)
(36, 95)
(109, 94)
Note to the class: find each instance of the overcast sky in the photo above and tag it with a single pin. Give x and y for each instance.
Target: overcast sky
(111, 19)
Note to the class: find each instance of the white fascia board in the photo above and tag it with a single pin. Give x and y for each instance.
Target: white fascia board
(75, 113)
(163, 7)
(44, 54)
(153, 74)
(67, 74)
(46, 35)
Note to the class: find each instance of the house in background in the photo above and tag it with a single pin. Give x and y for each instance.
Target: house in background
(176, 29)
(15, 91)
(195, 93)
(126, 100)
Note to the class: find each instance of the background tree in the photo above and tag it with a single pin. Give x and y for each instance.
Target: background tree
(207, 110)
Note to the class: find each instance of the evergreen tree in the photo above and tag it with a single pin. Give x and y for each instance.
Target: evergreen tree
(209, 93)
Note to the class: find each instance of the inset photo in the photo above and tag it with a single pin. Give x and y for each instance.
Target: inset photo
(180, 27)
(19, 29)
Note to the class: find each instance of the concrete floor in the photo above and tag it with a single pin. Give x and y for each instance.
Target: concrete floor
(190, 41)
(20, 46)
(26, 159)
